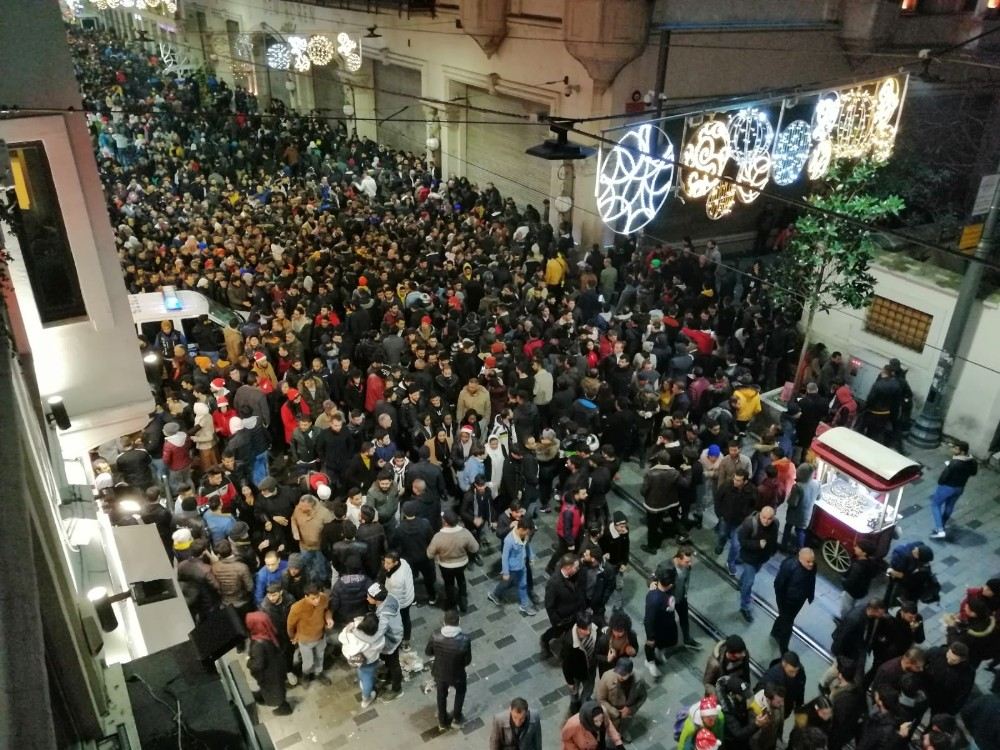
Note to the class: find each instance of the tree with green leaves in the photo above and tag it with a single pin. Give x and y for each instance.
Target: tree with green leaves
(826, 262)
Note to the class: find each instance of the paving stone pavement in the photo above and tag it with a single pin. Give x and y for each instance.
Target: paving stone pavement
(505, 644)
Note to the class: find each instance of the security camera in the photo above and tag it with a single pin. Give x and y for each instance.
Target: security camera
(648, 98)
(567, 90)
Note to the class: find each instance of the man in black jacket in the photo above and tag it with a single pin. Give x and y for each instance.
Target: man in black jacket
(452, 652)
(951, 484)
(733, 503)
(563, 600)
(579, 660)
(412, 537)
(858, 578)
(758, 540)
(852, 636)
(794, 585)
(372, 535)
(517, 729)
(948, 677)
(789, 674)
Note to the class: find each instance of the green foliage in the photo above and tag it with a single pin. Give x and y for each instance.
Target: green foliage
(827, 260)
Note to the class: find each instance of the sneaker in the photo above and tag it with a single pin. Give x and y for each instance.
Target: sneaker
(457, 721)
(733, 571)
(366, 702)
(406, 647)
(747, 615)
(322, 679)
(391, 694)
(493, 598)
(292, 679)
(938, 534)
(432, 602)
(654, 670)
(283, 710)
(693, 643)
(545, 510)
(528, 611)
(444, 728)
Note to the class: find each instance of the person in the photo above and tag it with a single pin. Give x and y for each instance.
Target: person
(768, 708)
(734, 696)
(857, 580)
(880, 731)
(853, 635)
(266, 662)
(590, 730)
(397, 578)
(617, 640)
(272, 571)
(910, 569)
(794, 585)
(276, 605)
(518, 728)
(893, 672)
(729, 658)
(615, 542)
(234, 578)
(896, 634)
(734, 501)
(621, 694)
(308, 620)
(412, 537)
(787, 672)
(362, 644)
(579, 659)
(948, 677)
(801, 501)
(758, 541)
(308, 520)
(390, 627)
(951, 484)
(705, 715)
(563, 600)
(452, 652)
(569, 525)
(681, 562)
(450, 548)
(515, 557)
(659, 620)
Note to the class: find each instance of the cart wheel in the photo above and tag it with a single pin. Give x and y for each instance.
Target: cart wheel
(836, 555)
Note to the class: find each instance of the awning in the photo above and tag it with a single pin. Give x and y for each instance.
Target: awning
(848, 450)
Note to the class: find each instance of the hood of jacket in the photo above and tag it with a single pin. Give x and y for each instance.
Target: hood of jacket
(178, 439)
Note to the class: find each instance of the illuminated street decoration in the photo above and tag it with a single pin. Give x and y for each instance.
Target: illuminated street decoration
(750, 135)
(300, 59)
(791, 152)
(705, 156)
(852, 122)
(320, 50)
(633, 185)
(348, 49)
(825, 115)
(243, 46)
(720, 201)
(279, 56)
(819, 159)
(854, 125)
(751, 178)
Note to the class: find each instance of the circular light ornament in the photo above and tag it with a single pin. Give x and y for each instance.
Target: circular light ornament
(320, 50)
(562, 204)
(632, 185)
(751, 178)
(279, 56)
(819, 159)
(750, 134)
(243, 46)
(886, 101)
(721, 200)
(300, 60)
(704, 157)
(348, 49)
(791, 152)
(171, 6)
(825, 115)
(883, 141)
(855, 124)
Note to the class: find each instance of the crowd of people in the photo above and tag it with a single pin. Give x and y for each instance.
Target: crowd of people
(420, 374)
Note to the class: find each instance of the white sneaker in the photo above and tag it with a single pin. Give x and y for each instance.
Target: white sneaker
(653, 669)
(366, 702)
(939, 534)
(292, 679)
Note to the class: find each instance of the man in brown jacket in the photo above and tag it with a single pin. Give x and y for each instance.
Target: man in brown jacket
(308, 520)
(308, 620)
(476, 398)
(450, 548)
(233, 575)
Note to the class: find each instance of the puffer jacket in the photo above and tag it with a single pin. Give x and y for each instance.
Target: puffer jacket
(354, 643)
(659, 488)
(349, 597)
(235, 581)
(749, 403)
(452, 652)
(399, 583)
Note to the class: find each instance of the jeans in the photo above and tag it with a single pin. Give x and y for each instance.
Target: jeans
(366, 677)
(518, 579)
(316, 567)
(800, 536)
(451, 578)
(312, 656)
(943, 504)
(725, 531)
(442, 701)
(259, 468)
(748, 573)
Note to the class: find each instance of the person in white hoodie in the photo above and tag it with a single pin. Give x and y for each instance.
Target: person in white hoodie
(176, 456)
(204, 435)
(397, 577)
(362, 645)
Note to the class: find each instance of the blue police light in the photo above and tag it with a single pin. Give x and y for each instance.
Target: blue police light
(170, 299)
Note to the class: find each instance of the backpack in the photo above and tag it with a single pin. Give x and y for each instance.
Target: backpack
(679, 720)
(930, 592)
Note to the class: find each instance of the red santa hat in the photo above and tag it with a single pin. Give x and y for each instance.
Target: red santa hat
(362, 281)
(217, 384)
(426, 320)
(709, 706)
(705, 740)
(222, 401)
(468, 429)
(259, 357)
(292, 394)
(490, 361)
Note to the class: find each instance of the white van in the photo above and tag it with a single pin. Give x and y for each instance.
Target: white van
(186, 306)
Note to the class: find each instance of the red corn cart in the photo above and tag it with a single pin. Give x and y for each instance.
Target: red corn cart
(862, 483)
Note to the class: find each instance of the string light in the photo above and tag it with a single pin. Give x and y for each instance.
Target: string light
(887, 101)
(791, 152)
(279, 56)
(320, 50)
(350, 50)
(819, 159)
(883, 142)
(243, 46)
(752, 176)
(705, 155)
(750, 134)
(721, 200)
(300, 60)
(854, 126)
(825, 115)
(631, 185)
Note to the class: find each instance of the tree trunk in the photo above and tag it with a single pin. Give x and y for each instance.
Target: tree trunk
(804, 353)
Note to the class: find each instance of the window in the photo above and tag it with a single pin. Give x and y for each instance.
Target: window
(38, 224)
(904, 325)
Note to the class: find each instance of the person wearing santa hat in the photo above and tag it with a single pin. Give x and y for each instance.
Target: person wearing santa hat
(267, 380)
(703, 716)
(291, 410)
(221, 417)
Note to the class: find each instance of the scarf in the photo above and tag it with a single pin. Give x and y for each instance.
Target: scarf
(587, 713)
(261, 628)
(587, 643)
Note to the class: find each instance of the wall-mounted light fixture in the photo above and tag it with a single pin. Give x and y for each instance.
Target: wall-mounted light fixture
(57, 413)
(102, 602)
